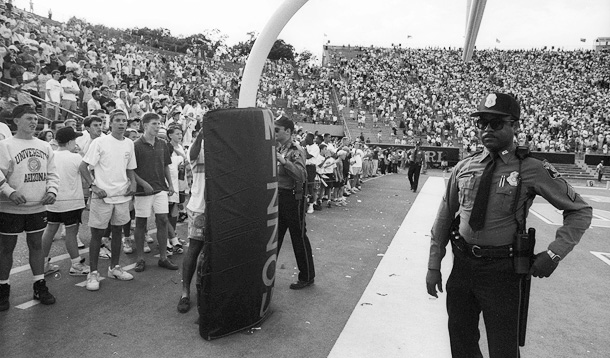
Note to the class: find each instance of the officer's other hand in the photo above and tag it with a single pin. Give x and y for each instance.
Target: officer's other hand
(434, 279)
(543, 265)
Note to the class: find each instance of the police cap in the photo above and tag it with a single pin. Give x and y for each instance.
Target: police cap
(499, 103)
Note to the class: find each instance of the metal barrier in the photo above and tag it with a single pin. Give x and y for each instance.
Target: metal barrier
(57, 107)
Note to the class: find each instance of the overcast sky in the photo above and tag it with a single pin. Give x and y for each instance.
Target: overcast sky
(515, 23)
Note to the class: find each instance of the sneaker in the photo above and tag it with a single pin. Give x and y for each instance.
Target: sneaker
(148, 239)
(79, 242)
(168, 264)
(140, 266)
(42, 294)
(146, 247)
(176, 245)
(107, 242)
(184, 305)
(79, 269)
(105, 253)
(49, 268)
(127, 248)
(310, 209)
(5, 292)
(118, 273)
(178, 249)
(169, 250)
(317, 207)
(182, 217)
(93, 281)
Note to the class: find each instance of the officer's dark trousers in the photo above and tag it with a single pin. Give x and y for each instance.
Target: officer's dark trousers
(290, 218)
(480, 285)
(413, 174)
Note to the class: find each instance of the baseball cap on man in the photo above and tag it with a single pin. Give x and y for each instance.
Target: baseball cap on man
(499, 103)
(66, 134)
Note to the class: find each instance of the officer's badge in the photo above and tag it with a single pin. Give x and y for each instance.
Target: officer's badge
(513, 179)
(551, 170)
(491, 100)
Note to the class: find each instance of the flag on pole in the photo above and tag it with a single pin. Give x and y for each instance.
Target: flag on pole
(497, 41)
(583, 40)
(409, 36)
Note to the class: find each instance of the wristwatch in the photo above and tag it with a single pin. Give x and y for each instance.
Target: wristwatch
(556, 258)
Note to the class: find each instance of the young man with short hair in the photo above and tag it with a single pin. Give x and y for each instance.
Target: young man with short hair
(69, 89)
(113, 161)
(154, 185)
(31, 182)
(53, 93)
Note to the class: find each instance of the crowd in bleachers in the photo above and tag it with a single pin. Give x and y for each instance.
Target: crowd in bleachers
(564, 94)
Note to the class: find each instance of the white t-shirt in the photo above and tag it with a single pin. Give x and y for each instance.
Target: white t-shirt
(65, 84)
(70, 194)
(313, 150)
(197, 200)
(5, 131)
(177, 159)
(110, 159)
(54, 88)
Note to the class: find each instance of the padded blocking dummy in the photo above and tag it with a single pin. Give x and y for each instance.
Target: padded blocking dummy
(236, 268)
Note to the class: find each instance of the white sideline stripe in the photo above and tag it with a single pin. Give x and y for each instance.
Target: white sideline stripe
(28, 304)
(602, 256)
(395, 317)
(63, 257)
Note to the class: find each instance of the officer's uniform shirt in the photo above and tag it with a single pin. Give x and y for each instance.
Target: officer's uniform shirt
(415, 156)
(538, 178)
(294, 169)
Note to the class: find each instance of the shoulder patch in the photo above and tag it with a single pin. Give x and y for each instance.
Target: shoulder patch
(553, 173)
(570, 192)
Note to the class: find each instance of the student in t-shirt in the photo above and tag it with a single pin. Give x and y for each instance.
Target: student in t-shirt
(70, 202)
(30, 183)
(113, 160)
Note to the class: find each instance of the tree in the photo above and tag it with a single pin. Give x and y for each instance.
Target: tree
(281, 50)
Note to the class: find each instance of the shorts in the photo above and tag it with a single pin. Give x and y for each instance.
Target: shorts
(197, 223)
(68, 218)
(101, 214)
(355, 170)
(13, 224)
(145, 205)
(311, 173)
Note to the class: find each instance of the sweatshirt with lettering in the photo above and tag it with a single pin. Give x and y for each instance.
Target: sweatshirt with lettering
(28, 166)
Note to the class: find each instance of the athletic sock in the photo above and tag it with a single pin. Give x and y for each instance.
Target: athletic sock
(38, 277)
(5, 282)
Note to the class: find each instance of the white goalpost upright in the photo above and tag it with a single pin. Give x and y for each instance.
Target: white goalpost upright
(260, 51)
(279, 19)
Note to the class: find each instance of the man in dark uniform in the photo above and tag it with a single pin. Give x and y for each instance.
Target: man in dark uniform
(483, 277)
(291, 177)
(416, 158)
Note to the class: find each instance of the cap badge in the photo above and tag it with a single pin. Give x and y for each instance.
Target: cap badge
(491, 100)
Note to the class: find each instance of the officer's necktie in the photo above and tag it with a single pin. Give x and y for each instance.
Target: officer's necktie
(477, 217)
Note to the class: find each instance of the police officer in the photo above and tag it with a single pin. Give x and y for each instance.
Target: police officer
(416, 159)
(291, 177)
(483, 277)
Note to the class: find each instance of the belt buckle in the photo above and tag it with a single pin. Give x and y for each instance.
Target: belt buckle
(474, 249)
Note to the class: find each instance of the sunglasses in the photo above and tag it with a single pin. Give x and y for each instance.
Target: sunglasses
(495, 123)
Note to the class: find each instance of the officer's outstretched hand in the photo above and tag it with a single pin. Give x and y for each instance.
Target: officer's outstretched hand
(434, 279)
(543, 265)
